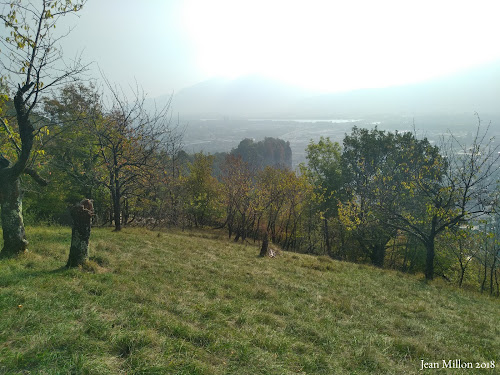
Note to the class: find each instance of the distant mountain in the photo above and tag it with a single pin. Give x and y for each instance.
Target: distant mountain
(476, 89)
(473, 90)
(245, 96)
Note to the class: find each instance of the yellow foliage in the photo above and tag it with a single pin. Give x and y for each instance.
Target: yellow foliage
(349, 214)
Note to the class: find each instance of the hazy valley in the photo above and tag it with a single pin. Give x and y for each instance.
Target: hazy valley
(219, 113)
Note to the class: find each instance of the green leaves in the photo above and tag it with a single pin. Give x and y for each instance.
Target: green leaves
(324, 169)
(203, 191)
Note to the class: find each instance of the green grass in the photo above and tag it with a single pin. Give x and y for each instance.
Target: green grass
(195, 303)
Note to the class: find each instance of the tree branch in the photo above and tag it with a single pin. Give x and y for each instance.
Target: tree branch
(35, 176)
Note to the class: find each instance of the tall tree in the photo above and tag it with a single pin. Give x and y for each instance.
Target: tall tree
(366, 158)
(202, 191)
(325, 172)
(129, 139)
(237, 183)
(463, 245)
(32, 61)
(441, 189)
(278, 204)
(72, 146)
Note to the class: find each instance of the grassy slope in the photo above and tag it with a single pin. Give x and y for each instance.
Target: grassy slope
(191, 303)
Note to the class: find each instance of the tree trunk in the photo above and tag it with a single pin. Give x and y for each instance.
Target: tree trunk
(237, 237)
(117, 210)
(497, 284)
(429, 260)
(265, 245)
(14, 236)
(327, 238)
(378, 255)
(462, 275)
(492, 271)
(126, 212)
(404, 266)
(485, 275)
(81, 214)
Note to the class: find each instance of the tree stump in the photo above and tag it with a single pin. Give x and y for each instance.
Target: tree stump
(81, 214)
(265, 245)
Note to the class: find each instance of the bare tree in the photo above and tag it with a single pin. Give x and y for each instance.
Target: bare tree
(130, 138)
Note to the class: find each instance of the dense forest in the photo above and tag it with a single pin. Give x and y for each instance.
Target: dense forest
(391, 199)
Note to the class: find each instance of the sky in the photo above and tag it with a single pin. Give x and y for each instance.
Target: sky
(329, 46)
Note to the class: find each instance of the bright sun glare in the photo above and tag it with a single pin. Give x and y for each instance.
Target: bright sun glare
(338, 45)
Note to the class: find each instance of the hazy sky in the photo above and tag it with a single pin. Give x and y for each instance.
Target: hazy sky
(328, 45)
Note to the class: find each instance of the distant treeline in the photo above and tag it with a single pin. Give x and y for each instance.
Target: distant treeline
(270, 152)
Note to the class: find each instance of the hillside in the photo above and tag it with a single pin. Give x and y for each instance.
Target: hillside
(195, 303)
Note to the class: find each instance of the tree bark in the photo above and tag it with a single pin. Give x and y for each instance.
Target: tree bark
(10, 187)
(429, 260)
(117, 210)
(496, 282)
(265, 245)
(14, 235)
(378, 255)
(485, 275)
(492, 271)
(81, 214)
(462, 275)
(327, 238)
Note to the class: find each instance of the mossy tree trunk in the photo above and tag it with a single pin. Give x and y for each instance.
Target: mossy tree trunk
(10, 188)
(81, 214)
(14, 236)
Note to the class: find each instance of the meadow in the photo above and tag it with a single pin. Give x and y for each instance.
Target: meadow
(194, 302)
